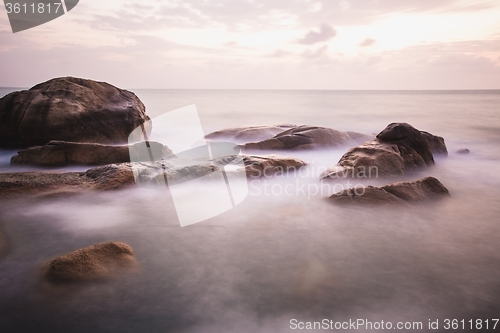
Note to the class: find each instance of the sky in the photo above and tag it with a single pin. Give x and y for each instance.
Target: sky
(262, 44)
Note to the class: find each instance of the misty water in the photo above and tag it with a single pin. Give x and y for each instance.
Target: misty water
(275, 257)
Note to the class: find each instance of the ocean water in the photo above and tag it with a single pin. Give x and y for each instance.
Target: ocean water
(276, 257)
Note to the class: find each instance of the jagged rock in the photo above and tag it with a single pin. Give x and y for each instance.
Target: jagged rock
(61, 153)
(401, 193)
(90, 263)
(398, 149)
(69, 109)
(302, 138)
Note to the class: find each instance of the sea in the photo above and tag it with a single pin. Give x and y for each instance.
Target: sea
(277, 262)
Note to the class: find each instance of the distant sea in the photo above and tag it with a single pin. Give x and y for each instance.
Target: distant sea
(276, 258)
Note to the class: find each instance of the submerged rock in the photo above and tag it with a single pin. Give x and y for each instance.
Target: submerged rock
(401, 193)
(69, 109)
(288, 137)
(246, 134)
(90, 263)
(61, 153)
(302, 138)
(398, 149)
(463, 151)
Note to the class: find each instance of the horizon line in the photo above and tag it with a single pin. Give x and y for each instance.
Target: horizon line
(291, 89)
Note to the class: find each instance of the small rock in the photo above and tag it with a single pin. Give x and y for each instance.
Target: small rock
(463, 151)
(90, 263)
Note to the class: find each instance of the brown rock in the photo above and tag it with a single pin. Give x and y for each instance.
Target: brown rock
(266, 166)
(49, 184)
(246, 134)
(90, 263)
(60, 153)
(53, 183)
(154, 175)
(69, 109)
(463, 151)
(302, 138)
(438, 147)
(398, 149)
(401, 193)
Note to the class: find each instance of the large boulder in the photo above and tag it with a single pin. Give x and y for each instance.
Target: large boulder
(61, 153)
(401, 193)
(90, 263)
(244, 134)
(69, 109)
(398, 149)
(303, 138)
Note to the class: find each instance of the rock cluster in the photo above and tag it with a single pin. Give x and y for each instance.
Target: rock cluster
(398, 149)
(288, 137)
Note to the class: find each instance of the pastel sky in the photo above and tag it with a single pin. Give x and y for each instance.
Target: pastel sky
(262, 44)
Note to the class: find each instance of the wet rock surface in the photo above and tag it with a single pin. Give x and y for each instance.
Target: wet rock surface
(401, 193)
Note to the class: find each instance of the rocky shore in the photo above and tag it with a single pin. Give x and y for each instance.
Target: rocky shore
(77, 122)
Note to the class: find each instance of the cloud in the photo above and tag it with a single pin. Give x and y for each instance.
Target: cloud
(367, 42)
(280, 54)
(246, 15)
(325, 34)
(318, 53)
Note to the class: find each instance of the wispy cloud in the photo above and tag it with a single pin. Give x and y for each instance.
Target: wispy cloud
(324, 34)
(315, 54)
(367, 42)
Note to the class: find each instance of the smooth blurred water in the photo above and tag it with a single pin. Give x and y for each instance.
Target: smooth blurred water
(276, 257)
